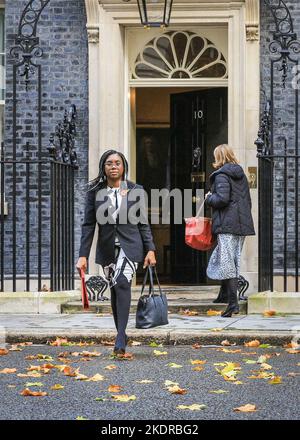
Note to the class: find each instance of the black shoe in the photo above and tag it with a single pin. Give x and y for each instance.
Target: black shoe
(118, 351)
(222, 296)
(231, 309)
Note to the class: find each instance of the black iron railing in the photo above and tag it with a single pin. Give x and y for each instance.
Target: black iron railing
(278, 160)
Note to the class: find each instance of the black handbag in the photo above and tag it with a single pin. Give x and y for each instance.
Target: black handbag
(152, 309)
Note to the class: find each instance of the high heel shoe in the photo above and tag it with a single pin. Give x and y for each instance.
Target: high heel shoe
(231, 309)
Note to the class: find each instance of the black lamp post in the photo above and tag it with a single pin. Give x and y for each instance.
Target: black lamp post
(155, 13)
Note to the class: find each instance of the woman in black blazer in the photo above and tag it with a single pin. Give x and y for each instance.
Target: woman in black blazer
(124, 235)
(231, 223)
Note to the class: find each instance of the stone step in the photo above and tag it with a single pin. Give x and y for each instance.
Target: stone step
(201, 306)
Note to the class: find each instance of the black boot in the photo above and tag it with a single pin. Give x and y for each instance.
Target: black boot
(233, 305)
(222, 296)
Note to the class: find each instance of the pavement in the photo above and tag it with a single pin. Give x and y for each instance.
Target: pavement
(181, 330)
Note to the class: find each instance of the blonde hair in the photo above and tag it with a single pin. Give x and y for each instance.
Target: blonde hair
(223, 154)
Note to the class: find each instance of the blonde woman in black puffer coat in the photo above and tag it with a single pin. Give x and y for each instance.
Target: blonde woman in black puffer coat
(231, 222)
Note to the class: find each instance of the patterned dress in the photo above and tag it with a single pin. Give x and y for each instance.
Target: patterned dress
(225, 261)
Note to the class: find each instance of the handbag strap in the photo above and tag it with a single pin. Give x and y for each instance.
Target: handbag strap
(145, 282)
(199, 210)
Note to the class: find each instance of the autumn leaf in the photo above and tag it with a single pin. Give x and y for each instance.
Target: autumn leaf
(229, 371)
(159, 353)
(211, 312)
(24, 344)
(34, 384)
(293, 351)
(69, 371)
(229, 350)
(155, 344)
(81, 377)
(110, 367)
(238, 382)
(114, 388)
(170, 383)
(15, 348)
(218, 391)
(226, 343)
(8, 371)
(196, 346)
(254, 343)
(246, 408)
(262, 375)
(197, 362)
(198, 369)
(194, 407)
(269, 313)
(96, 378)
(81, 418)
(264, 346)
(144, 381)
(59, 341)
(173, 365)
(30, 374)
(265, 366)
(292, 344)
(188, 312)
(100, 399)
(175, 389)
(28, 392)
(135, 343)
(275, 381)
(3, 351)
(107, 343)
(249, 361)
(216, 329)
(57, 386)
(123, 397)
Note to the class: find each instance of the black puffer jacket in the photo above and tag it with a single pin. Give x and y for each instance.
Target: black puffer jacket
(231, 202)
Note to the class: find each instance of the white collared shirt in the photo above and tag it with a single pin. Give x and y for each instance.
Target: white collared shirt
(111, 194)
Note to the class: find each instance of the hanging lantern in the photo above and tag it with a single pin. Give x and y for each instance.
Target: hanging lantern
(155, 13)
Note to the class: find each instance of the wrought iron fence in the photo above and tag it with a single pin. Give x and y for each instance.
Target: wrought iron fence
(278, 159)
(36, 185)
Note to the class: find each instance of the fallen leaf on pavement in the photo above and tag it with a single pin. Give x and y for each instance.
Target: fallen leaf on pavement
(57, 386)
(218, 391)
(198, 369)
(69, 371)
(81, 418)
(155, 344)
(264, 346)
(34, 384)
(59, 341)
(226, 343)
(238, 382)
(197, 362)
(96, 378)
(265, 366)
(188, 312)
(229, 350)
(173, 365)
(3, 351)
(30, 374)
(292, 344)
(293, 351)
(114, 388)
(175, 389)
(211, 312)
(170, 383)
(276, 380)
(81, 377)
(246, 408)
(144, 381)
(8, 371)
(159, 353)
(249, 361)
(194, 407)
(269, 313)
(216, 329)
(261, 375)
(15, 348)
(135, 343)
(28, 392)
(124, 397)
(110, 367)
(254, 343)
(107, 343)
(196, 346)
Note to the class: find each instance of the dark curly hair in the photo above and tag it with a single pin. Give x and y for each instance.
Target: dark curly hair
(100, 181)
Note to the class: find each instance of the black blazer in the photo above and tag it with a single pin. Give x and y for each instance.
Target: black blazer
(231, 202)
(135, 237)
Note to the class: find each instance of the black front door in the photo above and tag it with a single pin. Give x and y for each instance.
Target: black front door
(198, 125)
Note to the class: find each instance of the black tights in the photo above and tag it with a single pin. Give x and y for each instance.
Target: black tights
(120, 304)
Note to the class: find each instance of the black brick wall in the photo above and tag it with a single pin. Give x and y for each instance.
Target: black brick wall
(63, 38)
(285, 115)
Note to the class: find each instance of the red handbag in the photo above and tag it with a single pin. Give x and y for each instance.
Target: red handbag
(198, 232)
(85, 300)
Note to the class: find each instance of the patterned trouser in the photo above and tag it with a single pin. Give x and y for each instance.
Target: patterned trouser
(122, 265)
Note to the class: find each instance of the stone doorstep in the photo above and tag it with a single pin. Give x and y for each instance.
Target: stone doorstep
(36, 302)
(281, 302)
